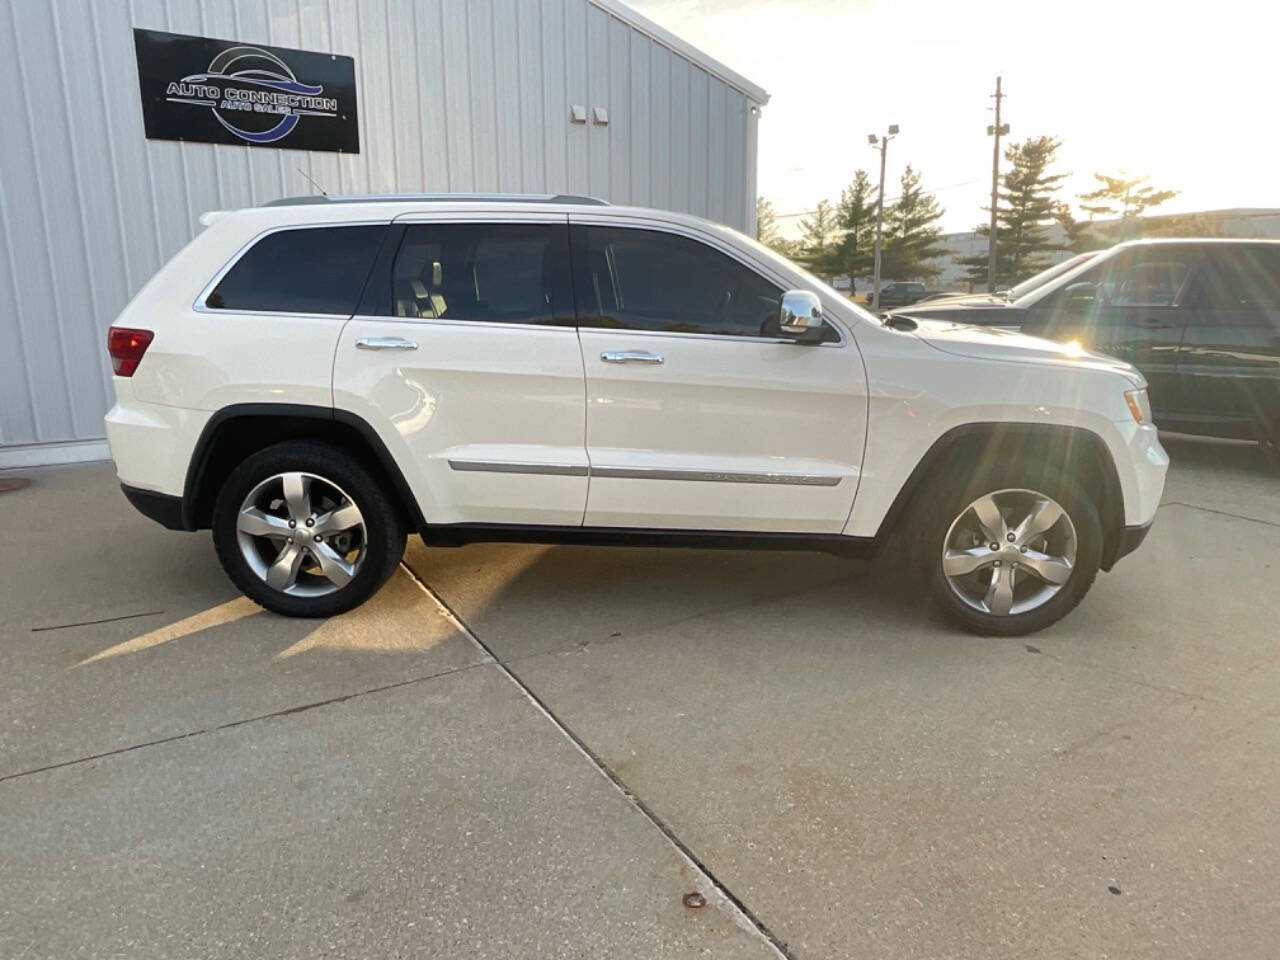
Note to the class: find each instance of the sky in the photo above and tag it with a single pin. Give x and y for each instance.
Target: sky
(1184, 93)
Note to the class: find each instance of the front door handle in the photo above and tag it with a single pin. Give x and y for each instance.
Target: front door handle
(1153, 323)
(630, 356)
(385, 343)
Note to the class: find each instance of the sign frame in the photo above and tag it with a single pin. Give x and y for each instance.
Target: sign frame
(226, 92)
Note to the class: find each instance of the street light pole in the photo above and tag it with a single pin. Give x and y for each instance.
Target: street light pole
(883, 144)
(995, 132)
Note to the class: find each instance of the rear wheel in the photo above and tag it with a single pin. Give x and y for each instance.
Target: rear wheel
(304, 530)
(1012, 551)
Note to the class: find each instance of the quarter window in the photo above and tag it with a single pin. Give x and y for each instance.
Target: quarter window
(648, 280)
(308, 270)
(484, 272)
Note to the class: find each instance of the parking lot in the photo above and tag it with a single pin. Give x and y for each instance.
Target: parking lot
(537, 751)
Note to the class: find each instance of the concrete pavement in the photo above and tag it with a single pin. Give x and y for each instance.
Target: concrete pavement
(859, 777)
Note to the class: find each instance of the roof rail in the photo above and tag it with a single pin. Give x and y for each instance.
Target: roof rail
(559, 198)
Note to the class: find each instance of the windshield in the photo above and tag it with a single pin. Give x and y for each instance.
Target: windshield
(1044, 276)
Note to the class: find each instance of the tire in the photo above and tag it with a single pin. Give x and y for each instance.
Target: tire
(259, 527)
(949, 520)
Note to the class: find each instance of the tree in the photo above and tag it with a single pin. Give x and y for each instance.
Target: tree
(767, 229)
(818, 235)
(1077, 239)
(1025, 209)
(911, 232)
(1124, 197)
(766, 221)
(856, 220)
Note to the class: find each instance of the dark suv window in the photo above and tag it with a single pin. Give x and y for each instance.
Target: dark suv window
(1240, 277)
(484, 272)
(648, 280)
(1153, 276)
(308, 270)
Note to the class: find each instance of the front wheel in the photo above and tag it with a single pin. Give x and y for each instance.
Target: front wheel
(1013, 551)
(304, 530)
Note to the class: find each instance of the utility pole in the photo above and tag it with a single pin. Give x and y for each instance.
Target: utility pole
(883, 144)
(994, 131)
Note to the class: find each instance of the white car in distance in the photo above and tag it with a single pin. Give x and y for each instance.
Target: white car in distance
(314, 379)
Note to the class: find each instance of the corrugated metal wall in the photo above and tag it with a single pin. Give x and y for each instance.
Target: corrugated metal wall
(454, 95)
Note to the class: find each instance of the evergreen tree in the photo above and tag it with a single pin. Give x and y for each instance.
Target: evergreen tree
(856, 219)
(1127, 198)
(767, 229)
(1025, 209)
(818, 239)
(766, 221)
(1077, 238)
(911, 233)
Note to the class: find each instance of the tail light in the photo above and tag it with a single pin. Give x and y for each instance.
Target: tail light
(126, 347)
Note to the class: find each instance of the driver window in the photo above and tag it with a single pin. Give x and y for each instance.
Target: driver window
(1154, 277)
(648, 280)
(1154, 283)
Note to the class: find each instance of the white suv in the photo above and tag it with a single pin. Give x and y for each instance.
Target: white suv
(314, 379)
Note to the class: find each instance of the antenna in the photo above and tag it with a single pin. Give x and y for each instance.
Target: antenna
(323, 192)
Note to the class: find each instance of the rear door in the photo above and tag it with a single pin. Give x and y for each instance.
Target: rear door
(699, 415)
(465, 359)
(1229, 362)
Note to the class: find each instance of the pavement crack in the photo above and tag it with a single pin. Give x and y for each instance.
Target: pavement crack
(90, 623)
(745, 913)
(1221, 513)
(232, 724)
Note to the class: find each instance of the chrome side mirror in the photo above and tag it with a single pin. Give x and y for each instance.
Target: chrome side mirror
(800, 316)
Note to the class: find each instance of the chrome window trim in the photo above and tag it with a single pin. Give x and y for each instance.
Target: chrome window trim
(647, 473)
(470, 324)
(201, 306)
(684, 335)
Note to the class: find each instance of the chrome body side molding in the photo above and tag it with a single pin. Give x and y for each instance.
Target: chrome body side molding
(646, 473)
(499, 466)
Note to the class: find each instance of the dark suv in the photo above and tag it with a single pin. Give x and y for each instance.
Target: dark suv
(1200, 318)
(901, 293)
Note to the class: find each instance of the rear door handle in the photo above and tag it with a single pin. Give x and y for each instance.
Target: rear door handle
(385, 343)
(630, 356)
(1152, 323)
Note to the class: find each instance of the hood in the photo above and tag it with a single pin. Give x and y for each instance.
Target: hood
(991, 343)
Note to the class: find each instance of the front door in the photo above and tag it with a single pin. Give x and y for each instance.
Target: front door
(465, 360)
(699, 415)
(1229, 363)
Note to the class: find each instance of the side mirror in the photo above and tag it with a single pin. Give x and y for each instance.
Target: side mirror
(800, 317)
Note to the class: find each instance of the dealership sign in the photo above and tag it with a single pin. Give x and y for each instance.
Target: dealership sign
(220, 91)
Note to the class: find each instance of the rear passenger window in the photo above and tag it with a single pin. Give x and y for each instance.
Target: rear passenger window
(308, 270)
(1240, 278)
(648, 280)
(484, 272)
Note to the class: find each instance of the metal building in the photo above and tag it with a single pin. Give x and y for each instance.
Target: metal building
(536, 96)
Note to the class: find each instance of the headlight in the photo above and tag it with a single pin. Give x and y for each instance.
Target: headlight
(1139, 405)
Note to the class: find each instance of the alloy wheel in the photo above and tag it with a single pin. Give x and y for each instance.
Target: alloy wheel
(1009, 552)
(301, 534)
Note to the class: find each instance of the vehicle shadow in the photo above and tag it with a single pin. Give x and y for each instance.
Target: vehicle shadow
(1208, 455)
